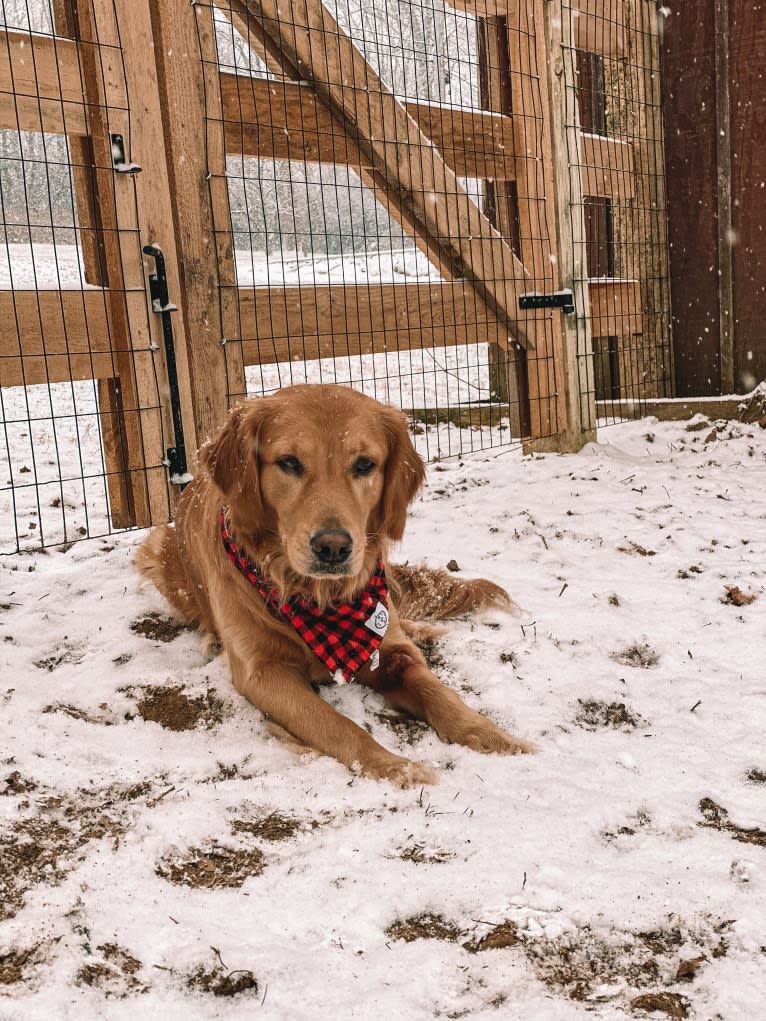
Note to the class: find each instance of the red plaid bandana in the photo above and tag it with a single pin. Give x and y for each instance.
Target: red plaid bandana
(343, 637)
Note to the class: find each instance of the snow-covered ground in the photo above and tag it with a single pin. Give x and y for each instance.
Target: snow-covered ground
(49, 267)
(206, 872)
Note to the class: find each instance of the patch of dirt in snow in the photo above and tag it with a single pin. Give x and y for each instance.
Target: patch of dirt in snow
(69, 651)
(424, 926)
(217, 980)
(716, 817)
(17, 964)
(50, 833)
(419, 854)
(212, 867)
(273, 826)
(406, 728)
(595, 715)
(637, 654)
(158, 628)
(499, 938)
(175, 710)
(114, 972)
(588, 965)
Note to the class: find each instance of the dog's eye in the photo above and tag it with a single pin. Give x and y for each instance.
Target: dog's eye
(363, 466)
(290, 465)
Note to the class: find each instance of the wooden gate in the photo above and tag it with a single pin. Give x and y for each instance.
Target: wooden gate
(151, 116)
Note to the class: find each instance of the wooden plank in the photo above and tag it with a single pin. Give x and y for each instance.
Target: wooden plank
(53, 322)
(574, 356)
(639, 228)
(198, 240)
(724, 219)
(615, 307)
(672, 409)
(53, 337)
(398, 149)
(593, 30)
(100, 83)
(599, 27)
(280, 323)
(285, 120)
(507, 366)
(40, 84)
(606, 167)
(529, 60)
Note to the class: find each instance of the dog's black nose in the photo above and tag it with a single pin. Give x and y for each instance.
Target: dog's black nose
(332, 546)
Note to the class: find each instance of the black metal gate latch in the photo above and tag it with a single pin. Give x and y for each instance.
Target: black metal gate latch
(158, 288)
(559, 299)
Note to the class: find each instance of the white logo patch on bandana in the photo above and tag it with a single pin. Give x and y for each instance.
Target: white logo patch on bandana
(378, 620)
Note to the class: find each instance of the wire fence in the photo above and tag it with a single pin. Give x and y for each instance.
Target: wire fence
(380, 194)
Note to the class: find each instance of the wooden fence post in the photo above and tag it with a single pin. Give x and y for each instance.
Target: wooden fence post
(575, 367)
(190, 100)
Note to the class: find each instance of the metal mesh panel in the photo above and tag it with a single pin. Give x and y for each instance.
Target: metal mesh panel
(394, 196)
(615, 102)
(80, 428)
(361, 290)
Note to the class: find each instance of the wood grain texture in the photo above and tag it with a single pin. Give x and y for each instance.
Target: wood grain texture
(397, 148)
(285, 120)
(339, 319)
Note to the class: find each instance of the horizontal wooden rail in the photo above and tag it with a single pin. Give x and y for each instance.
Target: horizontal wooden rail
(592, 30)
(285, 120)
(615, 307)
(41, 84)
(54, 337)
(606, 167)
(282, 323)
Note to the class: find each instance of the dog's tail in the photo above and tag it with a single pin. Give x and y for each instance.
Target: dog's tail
(425, 593)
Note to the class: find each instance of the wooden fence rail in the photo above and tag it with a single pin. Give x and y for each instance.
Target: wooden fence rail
(150, 73)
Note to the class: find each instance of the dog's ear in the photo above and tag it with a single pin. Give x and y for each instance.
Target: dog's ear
(225, 456)
(231, 459)
(405, 474)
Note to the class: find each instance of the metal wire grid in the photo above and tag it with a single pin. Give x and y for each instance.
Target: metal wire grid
(343, 286)
(69, 422)
(315, 231)
(619, 194)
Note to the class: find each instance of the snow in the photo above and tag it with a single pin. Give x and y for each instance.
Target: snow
(59, 267)
(600, 851)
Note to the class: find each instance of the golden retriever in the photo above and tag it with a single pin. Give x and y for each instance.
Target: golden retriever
(295, 503)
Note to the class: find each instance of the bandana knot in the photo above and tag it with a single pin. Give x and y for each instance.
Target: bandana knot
(345, 636)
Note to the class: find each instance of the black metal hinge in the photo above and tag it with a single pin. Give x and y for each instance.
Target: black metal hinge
(559, 299)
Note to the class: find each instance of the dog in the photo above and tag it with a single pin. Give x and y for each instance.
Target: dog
(279, 553)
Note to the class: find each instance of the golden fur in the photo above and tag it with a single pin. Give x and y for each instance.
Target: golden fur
(315, 460)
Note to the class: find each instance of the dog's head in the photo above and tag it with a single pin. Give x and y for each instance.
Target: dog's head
(319, 475)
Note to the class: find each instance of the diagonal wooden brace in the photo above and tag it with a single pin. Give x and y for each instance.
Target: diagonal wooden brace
(407, 165)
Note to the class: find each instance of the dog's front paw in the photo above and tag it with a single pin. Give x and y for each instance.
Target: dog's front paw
(482, 735)
(402, 772)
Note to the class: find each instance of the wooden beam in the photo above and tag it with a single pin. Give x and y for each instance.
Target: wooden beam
(397, 148)
(340, 319)
(599, 27)
(40, 84)
(606, 167)
(615, 307)
(507, 367)
(198, 238)
(574, 369)
(54, 336)
(529, 58)
(284, 120)
(592, 29)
